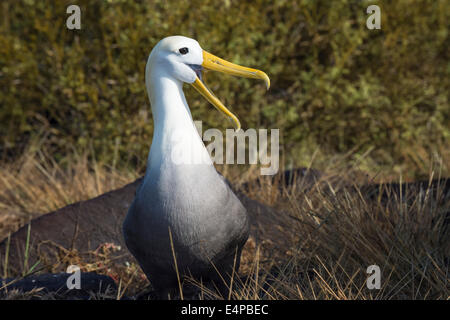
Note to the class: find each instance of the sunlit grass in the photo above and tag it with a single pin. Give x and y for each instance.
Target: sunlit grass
(335, 231)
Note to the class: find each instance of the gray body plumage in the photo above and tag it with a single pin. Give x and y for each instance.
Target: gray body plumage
(208, 224)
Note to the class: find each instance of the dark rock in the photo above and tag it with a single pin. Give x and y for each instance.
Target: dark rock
(85, 226)
(91, 284)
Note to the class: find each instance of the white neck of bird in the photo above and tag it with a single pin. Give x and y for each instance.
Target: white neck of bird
(174, 132)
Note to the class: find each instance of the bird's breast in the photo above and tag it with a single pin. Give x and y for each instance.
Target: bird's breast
(195, 205)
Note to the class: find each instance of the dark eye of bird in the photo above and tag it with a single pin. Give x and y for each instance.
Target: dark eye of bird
(184, 50)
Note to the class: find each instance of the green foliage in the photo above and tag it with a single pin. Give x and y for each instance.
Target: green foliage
(335, 84)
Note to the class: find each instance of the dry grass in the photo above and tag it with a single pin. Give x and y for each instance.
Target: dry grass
(36, 184)
(337, 232)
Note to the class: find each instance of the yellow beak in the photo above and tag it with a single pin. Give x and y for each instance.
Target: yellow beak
(212, 62)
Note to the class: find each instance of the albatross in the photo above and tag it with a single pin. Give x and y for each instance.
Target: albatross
(185, 221)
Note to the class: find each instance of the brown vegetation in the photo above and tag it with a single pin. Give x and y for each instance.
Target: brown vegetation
(309, 241)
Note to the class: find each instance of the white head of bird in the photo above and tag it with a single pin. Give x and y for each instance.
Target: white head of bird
(182, 60)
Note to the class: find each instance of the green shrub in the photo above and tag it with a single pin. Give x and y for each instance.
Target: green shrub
(336, 85)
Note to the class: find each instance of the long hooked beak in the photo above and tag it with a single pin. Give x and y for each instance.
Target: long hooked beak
(212, 62)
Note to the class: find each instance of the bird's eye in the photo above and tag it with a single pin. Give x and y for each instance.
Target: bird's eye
(184, 50)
